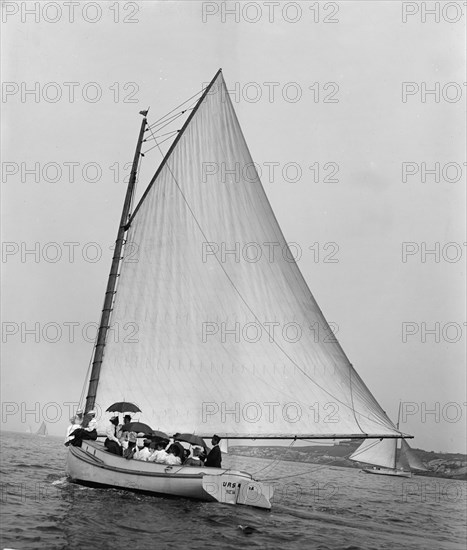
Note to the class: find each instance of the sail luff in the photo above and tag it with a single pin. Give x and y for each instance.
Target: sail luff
(113, 277)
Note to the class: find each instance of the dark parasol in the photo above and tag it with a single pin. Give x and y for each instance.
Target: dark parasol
(123, 406)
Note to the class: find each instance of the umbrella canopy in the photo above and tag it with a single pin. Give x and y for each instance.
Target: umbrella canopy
(191, 439)
(137, 427)
(156, 434)
(123, 406)
(180, 448)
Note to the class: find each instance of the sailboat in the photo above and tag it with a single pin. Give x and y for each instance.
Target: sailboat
(387, 461)
(42, 429)
(212, 290)
(385, 458)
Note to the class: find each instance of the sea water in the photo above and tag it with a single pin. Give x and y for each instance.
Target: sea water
(314, 507)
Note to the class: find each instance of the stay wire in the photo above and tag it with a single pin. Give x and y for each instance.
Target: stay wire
(160, 142)
(275, 461)
(174, 109)
(158, 136)
(167, 122)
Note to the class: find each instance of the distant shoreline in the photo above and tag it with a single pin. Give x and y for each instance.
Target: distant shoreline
(442, 465)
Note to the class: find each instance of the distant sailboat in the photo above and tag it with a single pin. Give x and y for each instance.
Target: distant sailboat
(383, 454)
(29, 429)
(42, 429)
(206, 193)
(385, 458)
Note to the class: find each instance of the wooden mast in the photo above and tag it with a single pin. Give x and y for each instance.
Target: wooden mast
(113, 276)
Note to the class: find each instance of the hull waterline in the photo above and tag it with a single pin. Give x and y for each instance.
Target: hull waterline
(387, 472)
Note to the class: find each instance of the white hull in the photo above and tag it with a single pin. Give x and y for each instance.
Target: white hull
(387, 472)
(92, 464)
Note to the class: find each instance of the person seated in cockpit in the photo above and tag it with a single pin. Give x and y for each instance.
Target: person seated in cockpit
(173, 456)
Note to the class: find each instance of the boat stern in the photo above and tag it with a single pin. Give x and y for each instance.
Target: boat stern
(235, 489)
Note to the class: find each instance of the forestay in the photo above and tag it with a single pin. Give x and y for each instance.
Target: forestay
(224, 341)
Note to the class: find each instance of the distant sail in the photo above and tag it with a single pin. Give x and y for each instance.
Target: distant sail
(202, 346)
(384, 453)
(409, 457)
(378, 452)
(42, 429)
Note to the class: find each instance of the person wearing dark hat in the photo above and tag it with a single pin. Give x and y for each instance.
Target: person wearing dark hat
(214, 458)
(112, 443)
(123, 436)
(173, 455)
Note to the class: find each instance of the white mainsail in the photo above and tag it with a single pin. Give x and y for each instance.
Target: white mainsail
(224, 341)
(384, 453)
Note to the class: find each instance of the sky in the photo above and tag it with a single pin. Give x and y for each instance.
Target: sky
(358, 106)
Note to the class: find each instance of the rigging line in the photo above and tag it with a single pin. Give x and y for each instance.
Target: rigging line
(175, 108)
(164, 120)
(275, 461)
(159, 136)
(159, 143)
(254, 314)
(317, 468)
(172, 119)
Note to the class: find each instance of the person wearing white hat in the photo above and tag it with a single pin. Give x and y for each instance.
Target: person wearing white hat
(89, 421)
(88, 429)
(78, 418)
(74, 425)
